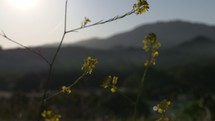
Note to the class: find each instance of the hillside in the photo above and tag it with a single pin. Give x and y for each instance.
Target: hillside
(194, 56)
(195, 50)
(169, 33)
(179, 41)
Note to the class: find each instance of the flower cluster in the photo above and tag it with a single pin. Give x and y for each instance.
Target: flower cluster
(151, 45)
(86, 21)
(49, 115)
(66, 89)
(141, 7)
(110, 82)
(162, 107)
(89, 65)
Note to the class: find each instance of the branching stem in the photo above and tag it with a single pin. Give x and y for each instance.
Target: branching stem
(51, 63)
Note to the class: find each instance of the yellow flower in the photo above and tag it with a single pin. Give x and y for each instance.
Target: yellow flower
(151, 45)
(66, 89)
(49, 115)
(141, 7)
(113, 89)
(114, 81)
(162, 107)
(146, 63)
(89, 65)
(110, 82)
(86, 21)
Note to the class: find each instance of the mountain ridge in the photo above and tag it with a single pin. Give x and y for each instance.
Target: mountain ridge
(72, 55)
(169, 33)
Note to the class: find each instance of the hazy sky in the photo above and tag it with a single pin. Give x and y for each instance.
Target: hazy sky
(42, 21)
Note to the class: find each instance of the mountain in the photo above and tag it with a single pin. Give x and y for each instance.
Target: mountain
(186, 57)
(199, 45)
(199, 49)
(198, 41)
(182, 43)
(169, 33)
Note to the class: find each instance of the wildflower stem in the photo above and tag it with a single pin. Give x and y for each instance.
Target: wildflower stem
(70, 86)
(43, 103)
(26, 48)
(77, 80)
(139, 93)
(104, 22)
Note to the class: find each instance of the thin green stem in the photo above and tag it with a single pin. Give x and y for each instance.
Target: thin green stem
(70, 86)
(104, 21)
(43, 103)
(26, 48)
(63, 36)
(139, 93)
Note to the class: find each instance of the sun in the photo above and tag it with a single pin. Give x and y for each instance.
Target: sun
(23, 4)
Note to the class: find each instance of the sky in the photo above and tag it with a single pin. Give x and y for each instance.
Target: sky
(39, 22)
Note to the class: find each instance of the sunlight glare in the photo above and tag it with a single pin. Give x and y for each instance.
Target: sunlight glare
(23, 4)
